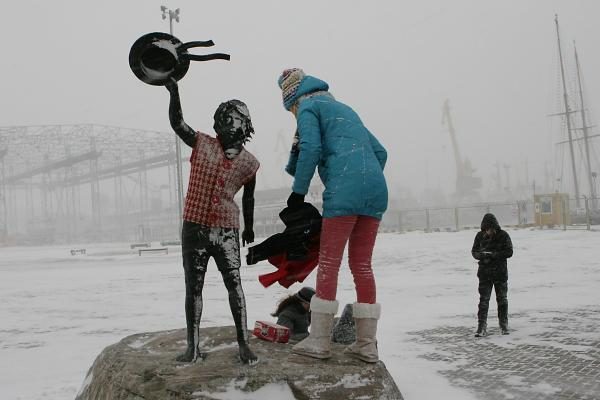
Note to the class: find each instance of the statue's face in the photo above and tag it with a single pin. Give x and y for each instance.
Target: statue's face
(233, 128)
(231, 134)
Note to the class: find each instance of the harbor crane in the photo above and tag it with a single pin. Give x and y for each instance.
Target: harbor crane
(466, 182)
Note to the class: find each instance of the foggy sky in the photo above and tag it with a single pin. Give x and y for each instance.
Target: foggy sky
(394, 62)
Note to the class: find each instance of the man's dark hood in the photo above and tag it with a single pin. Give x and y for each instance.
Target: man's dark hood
(489, 221)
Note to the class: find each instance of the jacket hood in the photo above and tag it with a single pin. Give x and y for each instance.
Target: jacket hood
(489, 221)
(308, 85)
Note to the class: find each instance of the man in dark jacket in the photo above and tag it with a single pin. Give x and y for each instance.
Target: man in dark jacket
(492, 246)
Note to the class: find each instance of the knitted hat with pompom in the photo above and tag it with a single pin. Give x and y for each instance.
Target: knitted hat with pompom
(289, 81)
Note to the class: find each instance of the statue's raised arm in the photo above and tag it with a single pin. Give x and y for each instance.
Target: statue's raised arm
(183, 130)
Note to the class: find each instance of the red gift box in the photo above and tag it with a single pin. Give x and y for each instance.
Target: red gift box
(270, 331)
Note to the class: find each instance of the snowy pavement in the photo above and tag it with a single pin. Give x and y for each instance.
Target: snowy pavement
(552, 355)
(58, 311)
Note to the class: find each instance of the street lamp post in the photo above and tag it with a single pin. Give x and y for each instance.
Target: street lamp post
(174, 15)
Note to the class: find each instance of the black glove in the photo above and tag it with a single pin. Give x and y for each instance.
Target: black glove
(295, 200)
(247, 236)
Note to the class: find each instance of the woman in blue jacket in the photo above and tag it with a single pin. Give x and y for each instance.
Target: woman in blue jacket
(331, 137)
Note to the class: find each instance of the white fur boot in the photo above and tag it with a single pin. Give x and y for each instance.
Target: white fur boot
(318, 342)
(366, 317)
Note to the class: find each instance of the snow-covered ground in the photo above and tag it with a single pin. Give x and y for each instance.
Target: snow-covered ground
(58, 311)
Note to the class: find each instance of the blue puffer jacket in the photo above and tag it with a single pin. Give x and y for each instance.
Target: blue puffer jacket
(349, 158)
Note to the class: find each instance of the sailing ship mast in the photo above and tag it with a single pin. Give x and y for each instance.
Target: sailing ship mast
(584, 128)
(567, 114)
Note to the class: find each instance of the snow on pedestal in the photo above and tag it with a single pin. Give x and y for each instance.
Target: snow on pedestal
(143, 366)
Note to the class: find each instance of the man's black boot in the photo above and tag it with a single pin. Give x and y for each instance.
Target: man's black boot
(481, 329)
(503, 318)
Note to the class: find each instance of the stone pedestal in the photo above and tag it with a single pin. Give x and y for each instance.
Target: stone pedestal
(143, 366)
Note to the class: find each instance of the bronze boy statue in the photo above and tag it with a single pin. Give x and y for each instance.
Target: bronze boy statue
(219, 168)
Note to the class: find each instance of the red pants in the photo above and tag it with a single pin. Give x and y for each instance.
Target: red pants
(360, 231)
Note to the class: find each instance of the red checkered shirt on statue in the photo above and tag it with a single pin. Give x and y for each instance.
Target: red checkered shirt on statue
(214, 181)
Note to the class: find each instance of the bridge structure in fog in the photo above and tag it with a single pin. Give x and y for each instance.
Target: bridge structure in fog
(90, 182)
(75, 182)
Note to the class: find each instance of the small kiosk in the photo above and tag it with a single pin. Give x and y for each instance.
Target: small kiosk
(552, 209)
